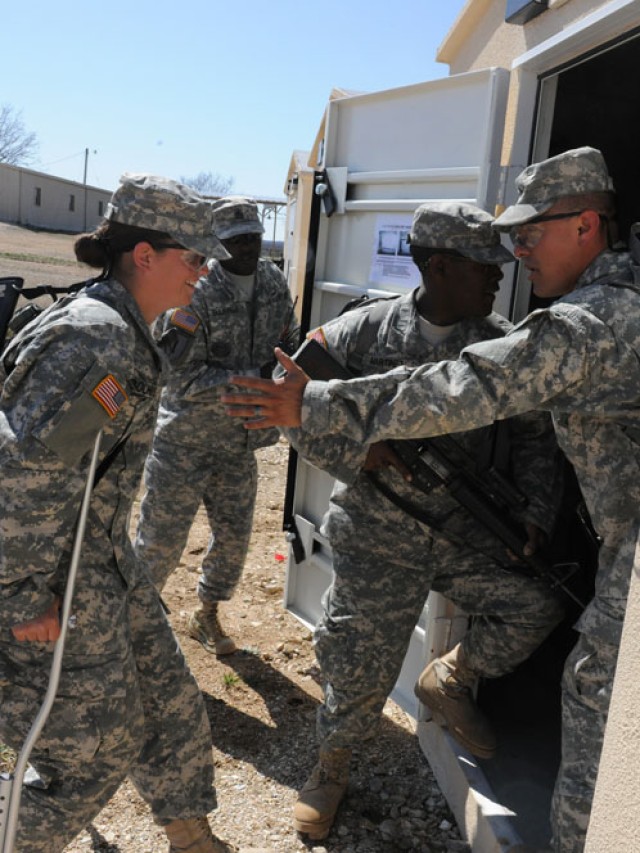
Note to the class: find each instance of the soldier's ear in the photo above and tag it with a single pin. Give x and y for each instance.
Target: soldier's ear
(142, 255)
(589, 224)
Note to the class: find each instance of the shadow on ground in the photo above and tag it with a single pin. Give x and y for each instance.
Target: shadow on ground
(389, 771)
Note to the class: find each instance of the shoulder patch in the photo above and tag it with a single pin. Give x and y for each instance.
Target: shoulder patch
(185, 320)
(318, 336)
(110, 394)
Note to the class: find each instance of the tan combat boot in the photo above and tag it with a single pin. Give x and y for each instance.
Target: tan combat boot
(318, 801)
(446, 688)
(204, 626)
(194, 835)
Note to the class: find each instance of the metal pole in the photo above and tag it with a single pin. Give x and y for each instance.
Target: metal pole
(84, 181)
(275, 220)
(11, 785)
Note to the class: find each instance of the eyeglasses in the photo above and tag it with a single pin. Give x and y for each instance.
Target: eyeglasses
(529, 235)
(194, 260)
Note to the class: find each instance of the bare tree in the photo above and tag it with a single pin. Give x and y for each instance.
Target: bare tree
(17, 145)
(210, 183)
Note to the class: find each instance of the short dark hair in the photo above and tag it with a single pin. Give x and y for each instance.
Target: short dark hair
(603, 203)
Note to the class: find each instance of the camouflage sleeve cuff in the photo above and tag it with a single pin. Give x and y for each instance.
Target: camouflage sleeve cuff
(21, 602)
(316, 408)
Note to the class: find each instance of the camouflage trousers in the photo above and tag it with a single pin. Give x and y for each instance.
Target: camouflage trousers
(142, 716)
(178, 479)
(384, 568)
(586, 692)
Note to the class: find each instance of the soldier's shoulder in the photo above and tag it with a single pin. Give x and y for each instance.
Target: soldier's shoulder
(495, 325)
(92, 310)
(267, 267)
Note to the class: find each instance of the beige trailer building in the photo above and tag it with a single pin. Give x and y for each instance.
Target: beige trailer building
(38, 200)
(528, 79)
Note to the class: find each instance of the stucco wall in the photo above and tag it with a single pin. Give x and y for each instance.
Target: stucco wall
(481, 38)
(614, 821)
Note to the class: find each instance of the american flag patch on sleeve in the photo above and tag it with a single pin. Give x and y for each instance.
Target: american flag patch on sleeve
(185, 320)
(110, 394)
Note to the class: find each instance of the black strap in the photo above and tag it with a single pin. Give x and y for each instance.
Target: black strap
(109, 459)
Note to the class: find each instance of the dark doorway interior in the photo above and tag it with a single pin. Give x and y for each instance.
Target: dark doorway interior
(598, 104)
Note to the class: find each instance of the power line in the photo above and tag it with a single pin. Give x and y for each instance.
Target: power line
(61, 159)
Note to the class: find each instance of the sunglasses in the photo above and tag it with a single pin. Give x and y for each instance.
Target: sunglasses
(194, 260)
(529, 235)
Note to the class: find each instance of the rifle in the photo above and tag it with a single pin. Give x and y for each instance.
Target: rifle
(488, 499)
(634, 242)
(11, 289)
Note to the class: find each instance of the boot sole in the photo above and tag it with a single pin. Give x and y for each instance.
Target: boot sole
(440, 720)
(315, 831)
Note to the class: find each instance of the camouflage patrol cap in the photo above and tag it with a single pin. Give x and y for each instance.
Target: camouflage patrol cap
(458, 226)
(541, 185)
(235, 215)
(160, 204)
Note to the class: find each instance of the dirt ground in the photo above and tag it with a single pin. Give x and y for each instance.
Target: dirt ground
(261, 700)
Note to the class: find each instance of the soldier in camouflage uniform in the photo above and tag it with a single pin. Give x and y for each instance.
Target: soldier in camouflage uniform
(382, 580)
(577, 359)
(127, 703)
(239, 312)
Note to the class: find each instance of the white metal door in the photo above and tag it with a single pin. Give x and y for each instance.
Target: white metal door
(385, 153)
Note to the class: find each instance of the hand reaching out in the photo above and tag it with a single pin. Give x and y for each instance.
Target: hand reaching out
(269, 402)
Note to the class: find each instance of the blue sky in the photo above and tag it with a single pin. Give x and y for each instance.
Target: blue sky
(201, 85)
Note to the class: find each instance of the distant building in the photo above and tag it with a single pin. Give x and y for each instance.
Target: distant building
(45, 201)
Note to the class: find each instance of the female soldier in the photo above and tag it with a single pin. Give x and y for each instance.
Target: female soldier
(127, 703)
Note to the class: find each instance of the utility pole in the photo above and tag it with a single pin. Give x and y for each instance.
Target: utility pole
(84, 181)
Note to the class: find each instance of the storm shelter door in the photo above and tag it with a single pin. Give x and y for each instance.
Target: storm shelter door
(384, 154)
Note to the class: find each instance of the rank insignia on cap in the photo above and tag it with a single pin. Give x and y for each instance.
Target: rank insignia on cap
(318, 336)
(110, 394)
(186, 321)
